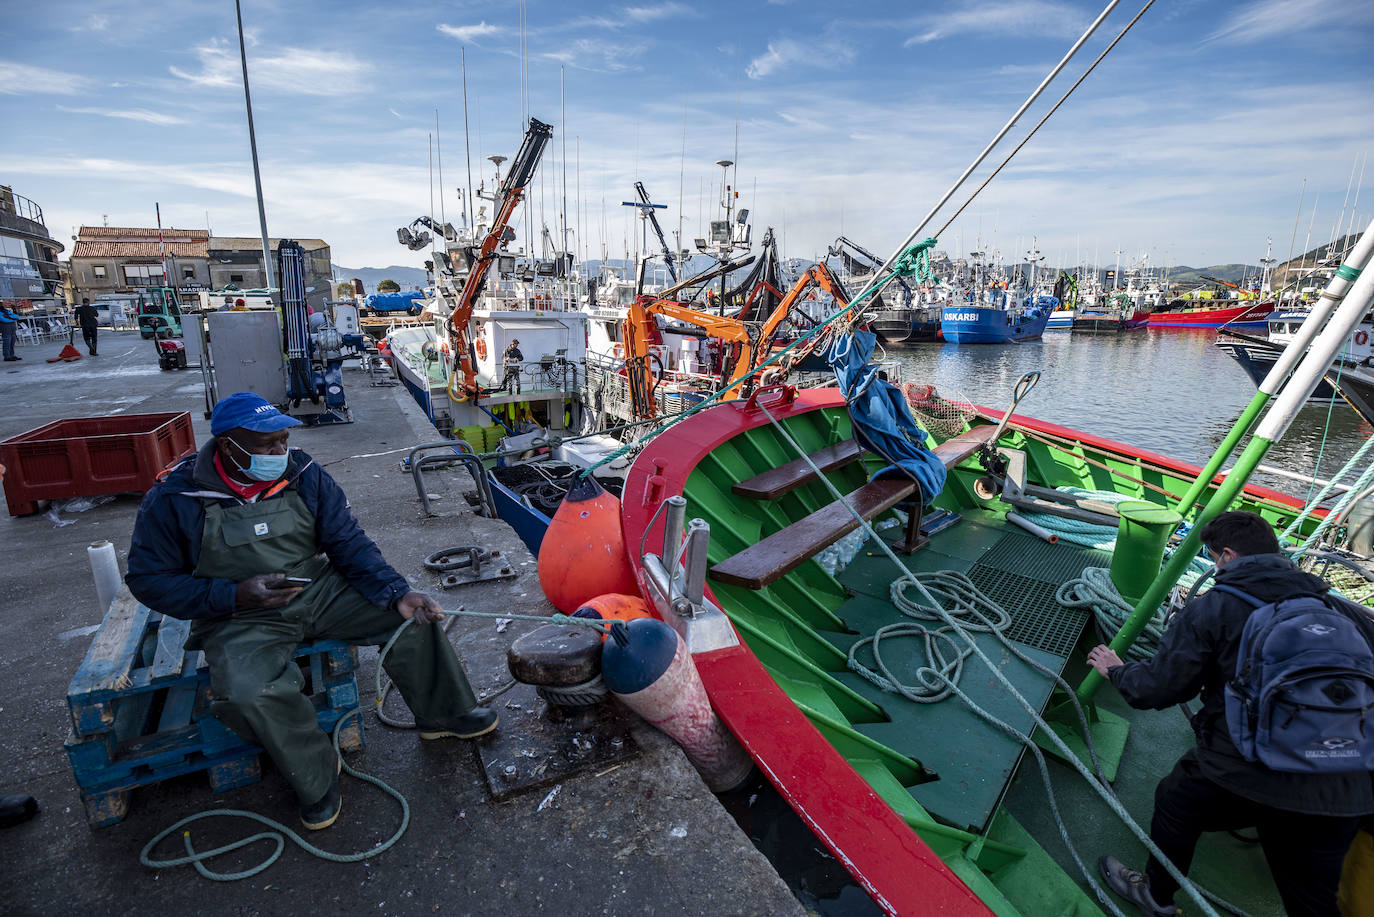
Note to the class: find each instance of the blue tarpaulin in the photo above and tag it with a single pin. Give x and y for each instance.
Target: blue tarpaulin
(880, 416)
(393, 302)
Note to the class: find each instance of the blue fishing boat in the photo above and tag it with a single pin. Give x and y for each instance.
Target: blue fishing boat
(997, 319)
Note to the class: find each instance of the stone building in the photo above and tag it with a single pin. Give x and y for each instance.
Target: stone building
(121, 259)
(237, 261)
(30, 274)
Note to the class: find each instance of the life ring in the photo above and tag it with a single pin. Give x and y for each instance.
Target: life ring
(618, 351)
(481, 346)
(1361, 338)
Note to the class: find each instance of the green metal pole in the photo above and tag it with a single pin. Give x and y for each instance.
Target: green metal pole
(1324, 348)
(1242, 426)
(1178, 562)
(1339, 285)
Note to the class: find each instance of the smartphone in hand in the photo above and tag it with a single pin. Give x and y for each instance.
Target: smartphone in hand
(289, 582)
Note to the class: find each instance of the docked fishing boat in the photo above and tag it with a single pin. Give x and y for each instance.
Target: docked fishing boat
(995, 317)
(922, 799)
(1113, 312)
(502, 339)
(1257, 355)
(907, 326)
(1201, 313)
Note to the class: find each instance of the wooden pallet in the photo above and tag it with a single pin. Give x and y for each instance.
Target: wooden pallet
(140, 706)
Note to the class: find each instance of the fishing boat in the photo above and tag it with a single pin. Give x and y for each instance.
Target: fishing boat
(456, 362)
(1257, 355)
(924, 803)
(995, 318)
(1201, 313)
(1118, 310)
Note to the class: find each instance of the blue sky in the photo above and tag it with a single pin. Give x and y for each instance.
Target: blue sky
(1191, 142)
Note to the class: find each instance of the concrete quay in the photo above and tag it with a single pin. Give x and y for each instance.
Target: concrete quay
(643, 836)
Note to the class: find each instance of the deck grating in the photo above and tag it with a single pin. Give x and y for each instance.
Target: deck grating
(1022, 574)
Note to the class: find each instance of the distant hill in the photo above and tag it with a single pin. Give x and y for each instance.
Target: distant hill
(410, 278)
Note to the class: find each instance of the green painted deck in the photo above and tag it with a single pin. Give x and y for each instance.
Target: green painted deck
(965, 787)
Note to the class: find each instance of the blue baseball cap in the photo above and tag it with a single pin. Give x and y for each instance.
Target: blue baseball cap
(249, 411)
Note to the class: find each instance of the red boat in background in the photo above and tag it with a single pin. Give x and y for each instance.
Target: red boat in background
(1204, 314)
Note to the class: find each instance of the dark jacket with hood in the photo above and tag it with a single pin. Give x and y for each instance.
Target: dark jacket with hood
(1198, 654)
(167, 537)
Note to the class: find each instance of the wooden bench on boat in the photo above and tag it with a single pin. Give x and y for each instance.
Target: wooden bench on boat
(773, 557)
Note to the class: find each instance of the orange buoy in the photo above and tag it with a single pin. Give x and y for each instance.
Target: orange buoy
(613, 606)
(583, 552)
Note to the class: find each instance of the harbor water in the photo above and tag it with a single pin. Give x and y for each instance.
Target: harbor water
(1170, 391)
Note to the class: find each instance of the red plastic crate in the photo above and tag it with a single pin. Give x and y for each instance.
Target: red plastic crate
(87, 456)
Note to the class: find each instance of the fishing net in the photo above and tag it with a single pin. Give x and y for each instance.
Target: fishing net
(942, 415)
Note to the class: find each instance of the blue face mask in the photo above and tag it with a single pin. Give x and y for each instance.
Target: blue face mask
(262, 467)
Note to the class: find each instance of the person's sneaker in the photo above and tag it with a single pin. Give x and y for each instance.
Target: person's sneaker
(1134, 886)
(325, 812)
(476, 722)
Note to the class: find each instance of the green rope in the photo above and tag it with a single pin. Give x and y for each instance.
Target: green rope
(1095, 591)
(1316, 501)
(197, 858)
(914, 261)
(281, 832)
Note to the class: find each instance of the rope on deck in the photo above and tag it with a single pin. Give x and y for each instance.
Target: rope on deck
(1095, 778)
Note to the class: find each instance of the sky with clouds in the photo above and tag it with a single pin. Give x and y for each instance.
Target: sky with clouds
(1191, 142)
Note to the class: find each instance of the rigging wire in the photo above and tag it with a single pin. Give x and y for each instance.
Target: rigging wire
(1041, 122)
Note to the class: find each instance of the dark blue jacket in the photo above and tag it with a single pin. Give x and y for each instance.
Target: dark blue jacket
(167, 535)
(1197, 655)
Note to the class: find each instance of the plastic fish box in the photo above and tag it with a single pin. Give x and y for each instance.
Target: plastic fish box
(87, 456)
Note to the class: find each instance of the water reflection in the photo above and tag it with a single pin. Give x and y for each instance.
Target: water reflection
(1167, 390)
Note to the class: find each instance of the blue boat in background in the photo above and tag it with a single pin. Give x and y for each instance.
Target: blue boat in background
(997, 319)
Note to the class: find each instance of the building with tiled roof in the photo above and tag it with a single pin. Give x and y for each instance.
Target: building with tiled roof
(122, 259)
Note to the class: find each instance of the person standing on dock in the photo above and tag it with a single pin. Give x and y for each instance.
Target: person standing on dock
(256, 545)
(89, 319)
(512, 358)
(1305, 821)
(9, 330)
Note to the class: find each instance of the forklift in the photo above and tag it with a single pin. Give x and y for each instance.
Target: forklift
(159, 316)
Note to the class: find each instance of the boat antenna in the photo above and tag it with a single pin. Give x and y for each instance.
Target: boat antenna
(439, 154)
(431, 186)
(467, 138)
(253, 147)
(1293, 239)
(563, 130)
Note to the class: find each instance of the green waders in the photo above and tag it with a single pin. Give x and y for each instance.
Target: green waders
(254, 682)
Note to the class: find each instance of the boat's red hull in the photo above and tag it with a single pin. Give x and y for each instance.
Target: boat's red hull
(1211, 317)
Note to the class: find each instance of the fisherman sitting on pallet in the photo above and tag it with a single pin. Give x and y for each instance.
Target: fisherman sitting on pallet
(256, 544)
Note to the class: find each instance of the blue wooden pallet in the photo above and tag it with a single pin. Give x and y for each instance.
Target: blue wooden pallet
(140, 710)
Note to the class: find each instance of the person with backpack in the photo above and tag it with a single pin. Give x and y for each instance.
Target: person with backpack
(1286, 675)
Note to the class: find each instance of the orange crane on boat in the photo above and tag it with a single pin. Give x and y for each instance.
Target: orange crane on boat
(750, 342)
(479, 260)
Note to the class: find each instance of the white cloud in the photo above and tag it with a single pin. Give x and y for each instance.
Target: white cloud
(128, 114)
(827, 54)
(595, 55)
(1277, 18)
(660, 11)
(1008, 17)
(470, 33)
(22, 79)
(302, 70)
